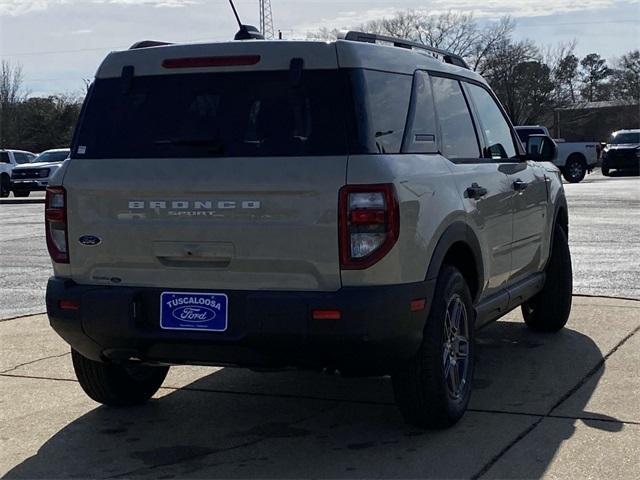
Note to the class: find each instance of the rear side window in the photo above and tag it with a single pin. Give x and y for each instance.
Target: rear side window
(381, 102)
(422, 126)
(223, 114)
(458, 136)
(4, 157)
(493, 123)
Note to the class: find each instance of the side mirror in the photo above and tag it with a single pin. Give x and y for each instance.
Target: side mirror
(541, 148)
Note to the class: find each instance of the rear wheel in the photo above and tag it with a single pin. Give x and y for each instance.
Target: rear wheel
(605, 171)
(5, 185)
(575, 169)
(549, 310)
(21, 193)
(433, 389)
(117, 385)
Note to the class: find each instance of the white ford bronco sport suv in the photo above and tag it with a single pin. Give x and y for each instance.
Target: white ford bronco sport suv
(271, 204)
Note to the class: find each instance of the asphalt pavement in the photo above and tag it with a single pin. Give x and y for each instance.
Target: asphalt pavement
(604, 236)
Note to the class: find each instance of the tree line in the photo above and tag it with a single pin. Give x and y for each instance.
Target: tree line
(33, 123)
(530, 81)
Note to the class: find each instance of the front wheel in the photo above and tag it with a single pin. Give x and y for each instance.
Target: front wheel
(549, 310)
(117, 385)
(5, 186)
(605, 171)
(21, 193)
(432, 390)
(575, 170)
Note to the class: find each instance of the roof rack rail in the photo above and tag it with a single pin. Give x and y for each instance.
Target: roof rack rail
(147, 44)
(447, 57)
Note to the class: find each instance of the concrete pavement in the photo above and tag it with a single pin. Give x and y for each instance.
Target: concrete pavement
(561, 406)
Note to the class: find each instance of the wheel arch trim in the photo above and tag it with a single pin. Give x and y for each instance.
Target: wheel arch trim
(457, 232)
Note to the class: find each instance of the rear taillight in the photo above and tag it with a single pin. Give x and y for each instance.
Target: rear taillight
(55, 216)
(369, 224)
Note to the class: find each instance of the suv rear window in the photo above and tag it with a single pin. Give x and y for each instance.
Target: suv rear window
(239, 114)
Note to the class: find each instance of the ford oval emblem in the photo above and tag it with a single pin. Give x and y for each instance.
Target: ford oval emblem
(90, 240)
(194, 314)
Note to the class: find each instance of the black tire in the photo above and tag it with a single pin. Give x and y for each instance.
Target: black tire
(5, 185)
(117, 385)
(575, 169)
(21, 193)
(549, 310)
(423, 391)
(605, 171)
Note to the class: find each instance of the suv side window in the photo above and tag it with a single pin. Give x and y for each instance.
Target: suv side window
(381, 102)
(422, 128)
(496, 130)
(457, 134)
(4, 157)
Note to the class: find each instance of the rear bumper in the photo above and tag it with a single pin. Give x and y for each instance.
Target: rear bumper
(265, 329)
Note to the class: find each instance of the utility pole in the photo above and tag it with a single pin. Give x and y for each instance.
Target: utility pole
(266, 20)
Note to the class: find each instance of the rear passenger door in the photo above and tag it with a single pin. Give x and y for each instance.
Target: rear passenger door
(526, 181)
(483, 187)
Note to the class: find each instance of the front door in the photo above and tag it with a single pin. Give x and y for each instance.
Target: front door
(529, 218)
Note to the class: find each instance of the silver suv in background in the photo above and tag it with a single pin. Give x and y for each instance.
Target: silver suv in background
(9, 159)
(35, 176)
(270, 204)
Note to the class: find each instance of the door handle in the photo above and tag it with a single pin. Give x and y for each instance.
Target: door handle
(519, 185)
(475, 191)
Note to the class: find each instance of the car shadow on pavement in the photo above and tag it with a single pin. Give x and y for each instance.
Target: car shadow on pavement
(237, 423)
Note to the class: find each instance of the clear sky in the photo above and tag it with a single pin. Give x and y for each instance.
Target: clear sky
(61, 42)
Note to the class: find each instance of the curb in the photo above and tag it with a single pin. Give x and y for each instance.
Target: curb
(21, 201)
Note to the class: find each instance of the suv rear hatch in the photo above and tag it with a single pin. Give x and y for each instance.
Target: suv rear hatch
(210, 167)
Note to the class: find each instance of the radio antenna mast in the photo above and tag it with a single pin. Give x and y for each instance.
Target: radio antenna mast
(266, 20)
(235, 12)
(246, 32)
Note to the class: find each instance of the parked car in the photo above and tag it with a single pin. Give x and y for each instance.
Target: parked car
(35, 176)
(269, 204)
(622, 152)
(8, 161)
(574, 159)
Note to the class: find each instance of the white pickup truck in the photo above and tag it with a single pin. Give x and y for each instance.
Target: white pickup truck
(574, 159)
(8, 160)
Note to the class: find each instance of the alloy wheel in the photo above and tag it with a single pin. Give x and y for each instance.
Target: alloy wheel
(455, 352)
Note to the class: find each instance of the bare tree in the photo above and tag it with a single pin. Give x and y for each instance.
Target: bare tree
(324, 34)
(492, 36)
(456, 32)
(11, 83)
(520, 79)
(564, 71)
(12, 93)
